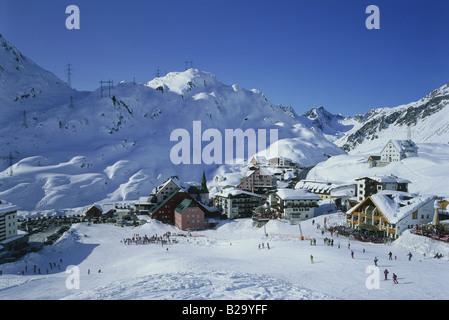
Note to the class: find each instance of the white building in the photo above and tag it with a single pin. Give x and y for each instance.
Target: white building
(396, 150)
(370, 185)
(10, 237)
(236, 203)
(8, 221)
(295, 204)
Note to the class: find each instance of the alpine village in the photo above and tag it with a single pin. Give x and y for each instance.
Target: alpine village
(376, 208)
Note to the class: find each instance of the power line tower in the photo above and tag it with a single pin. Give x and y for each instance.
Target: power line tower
(109, 83)
(24, 120)
(157, 73)
(69, 74)
(189, 64)
(71, 102)
(10, 158)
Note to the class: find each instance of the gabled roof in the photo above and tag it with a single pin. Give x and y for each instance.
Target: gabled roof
(184, 204)
(173, 179)
(403, 145)
(259, 159)
(396, 205)
(157, 207)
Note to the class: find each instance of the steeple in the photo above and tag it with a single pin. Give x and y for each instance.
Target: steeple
(203, 182)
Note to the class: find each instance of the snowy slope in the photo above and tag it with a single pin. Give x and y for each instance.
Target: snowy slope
(118, 146)
(24, 86)
(427, 172)
(227, 264)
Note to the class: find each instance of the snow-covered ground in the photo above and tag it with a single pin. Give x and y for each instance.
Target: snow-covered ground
(427, 172)
(226, 263)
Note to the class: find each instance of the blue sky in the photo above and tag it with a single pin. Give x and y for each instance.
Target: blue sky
(301, 53)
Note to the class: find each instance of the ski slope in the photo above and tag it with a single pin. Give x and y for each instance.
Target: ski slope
(226, 264)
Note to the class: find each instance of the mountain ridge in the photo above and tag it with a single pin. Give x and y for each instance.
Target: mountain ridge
(81, 147)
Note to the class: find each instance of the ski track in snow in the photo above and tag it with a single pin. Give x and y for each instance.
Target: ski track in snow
(204, 285)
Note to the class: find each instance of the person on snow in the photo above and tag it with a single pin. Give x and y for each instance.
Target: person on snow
(390, 256)
(311, 258)
(375, 261)
(395, 279)
(410, 256)
(352, 254)
(386, 273)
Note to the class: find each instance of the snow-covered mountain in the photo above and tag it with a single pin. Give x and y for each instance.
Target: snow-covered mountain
(332, 126)
(425, 121)
(72, 148)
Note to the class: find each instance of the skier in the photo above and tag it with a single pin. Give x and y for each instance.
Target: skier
(311, 258)
(268, 246)
(395, 277)
(352, 254)
(389, 256)
(375, 261)
(386, 273)
(410, 256)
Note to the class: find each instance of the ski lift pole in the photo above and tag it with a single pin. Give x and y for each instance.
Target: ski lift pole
(300, 230)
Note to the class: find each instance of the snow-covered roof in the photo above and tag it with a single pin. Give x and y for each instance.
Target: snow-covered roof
(175, 180)
(234, 192)
(296, 194)
(321, 186)
(396, 205)
(7, 208)
(386, 179)
(404, 145)
(259, 159)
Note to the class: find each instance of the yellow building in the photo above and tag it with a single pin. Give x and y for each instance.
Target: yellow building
(389, 213)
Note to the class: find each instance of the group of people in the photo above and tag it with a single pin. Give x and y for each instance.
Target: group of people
(138, 239)
(395, 277)
(37, 270)
(262, 246)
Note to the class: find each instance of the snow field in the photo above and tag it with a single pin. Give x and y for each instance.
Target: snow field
(226, 264)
